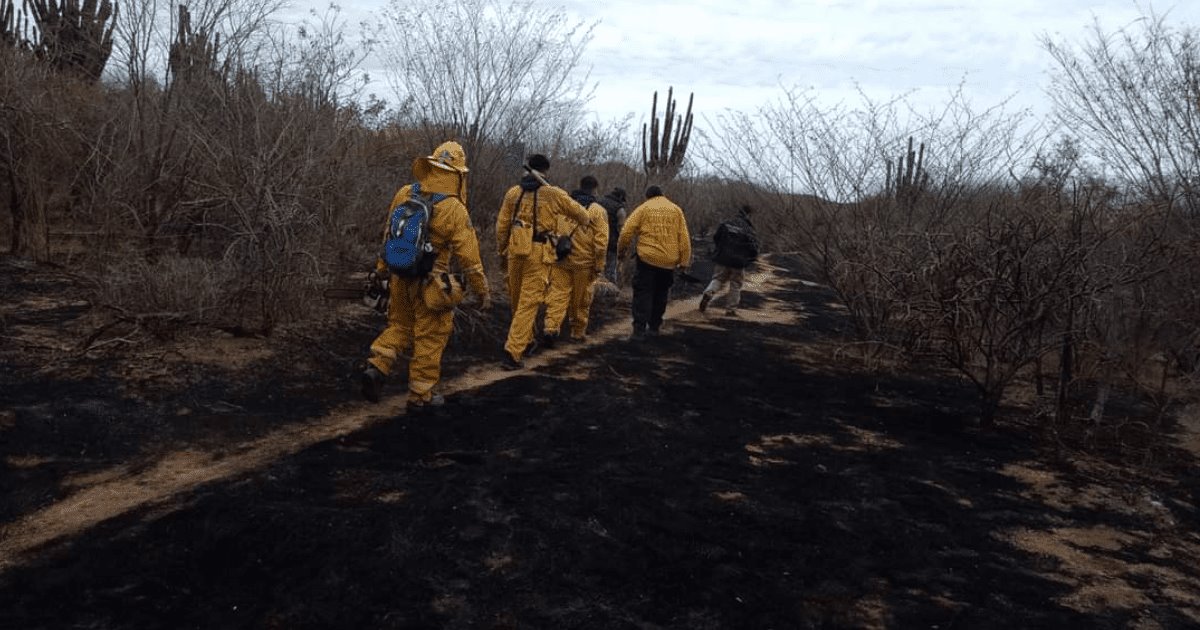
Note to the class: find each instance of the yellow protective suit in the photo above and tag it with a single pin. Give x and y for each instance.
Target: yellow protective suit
(411, 322)
(662, 234)
(571, 280)
(529, 250)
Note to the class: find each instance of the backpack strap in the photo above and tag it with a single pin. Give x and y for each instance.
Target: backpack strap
(516, 208)
(535, 221)
(433, 199)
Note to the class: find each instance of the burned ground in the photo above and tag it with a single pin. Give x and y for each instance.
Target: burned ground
(737, 472)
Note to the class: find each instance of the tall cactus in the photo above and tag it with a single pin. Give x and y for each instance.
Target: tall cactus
(14, 26)
(193, 54)
(910, 176)
(74, 36)
(663, 157)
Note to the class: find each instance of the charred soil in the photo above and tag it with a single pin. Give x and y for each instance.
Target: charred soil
(735, 472)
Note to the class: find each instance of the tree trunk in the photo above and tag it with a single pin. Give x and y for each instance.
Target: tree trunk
(989, 406)
(30, 233)
(1064, 378)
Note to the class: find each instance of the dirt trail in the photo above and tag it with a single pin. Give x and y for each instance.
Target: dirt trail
(118, 491)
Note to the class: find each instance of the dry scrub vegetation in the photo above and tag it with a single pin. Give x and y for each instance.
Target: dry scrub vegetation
(203, 165)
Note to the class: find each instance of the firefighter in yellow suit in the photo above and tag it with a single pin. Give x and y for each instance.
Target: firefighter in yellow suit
(525, 239)
(421, 309)
(663, 245)
(572, 280)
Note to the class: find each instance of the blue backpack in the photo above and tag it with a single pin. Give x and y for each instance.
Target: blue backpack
(407, 250)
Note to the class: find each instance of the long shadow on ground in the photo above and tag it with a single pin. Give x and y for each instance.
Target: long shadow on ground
(702, 480)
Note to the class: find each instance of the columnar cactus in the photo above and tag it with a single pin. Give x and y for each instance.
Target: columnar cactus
(74, 36)
(910, 176)
(14, 26)
(192, 53)
(663, 157)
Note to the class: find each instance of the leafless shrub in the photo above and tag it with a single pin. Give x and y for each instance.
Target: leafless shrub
(46, 127)
(503, 77)
(1132, 97)
(990, 267)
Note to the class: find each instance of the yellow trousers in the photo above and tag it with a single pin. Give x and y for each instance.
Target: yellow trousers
(570, 295)
(512, 281)
(532, 275)
(412, 325)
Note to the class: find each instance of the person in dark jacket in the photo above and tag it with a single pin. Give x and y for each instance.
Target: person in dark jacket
(736, 248)
(614, 205)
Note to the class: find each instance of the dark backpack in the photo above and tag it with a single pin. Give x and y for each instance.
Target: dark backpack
(737, 245)
(613, 207)
(407, 250)
(563, 244)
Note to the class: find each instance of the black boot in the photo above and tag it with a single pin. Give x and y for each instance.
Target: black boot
(372, 382)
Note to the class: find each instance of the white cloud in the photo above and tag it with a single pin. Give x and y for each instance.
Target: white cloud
(737, 54)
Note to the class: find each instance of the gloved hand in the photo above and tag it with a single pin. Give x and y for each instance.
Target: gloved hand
(376, 294)
(485, 303)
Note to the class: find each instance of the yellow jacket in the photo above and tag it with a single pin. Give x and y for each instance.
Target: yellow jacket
(450, 229)
(662, 234)
(553, 202)
(589, 241)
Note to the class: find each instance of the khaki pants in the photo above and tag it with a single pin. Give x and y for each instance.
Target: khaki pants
(570, 296)
(735, 278)
(412, 324)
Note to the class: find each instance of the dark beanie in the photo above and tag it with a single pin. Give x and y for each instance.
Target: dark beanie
(653, 191)
(538, 162)
(589, 183)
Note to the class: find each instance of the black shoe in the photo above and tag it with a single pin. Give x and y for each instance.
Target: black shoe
(548, 340)
(510, 364)
(704, 300)
(372, 382)
(638, 335)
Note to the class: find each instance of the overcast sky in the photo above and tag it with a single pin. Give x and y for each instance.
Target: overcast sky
(737, 53)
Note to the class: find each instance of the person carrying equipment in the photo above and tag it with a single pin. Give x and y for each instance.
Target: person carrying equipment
(428, 227)
(526, 240)
(572, 279)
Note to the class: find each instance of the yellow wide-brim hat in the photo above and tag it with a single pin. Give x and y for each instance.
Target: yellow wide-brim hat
(449, 156)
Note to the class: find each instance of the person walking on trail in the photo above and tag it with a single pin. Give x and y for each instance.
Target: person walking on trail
(736, 248)
(526, 240)
(614, 206)
(663, 244)
(422, 297)
(572, 280)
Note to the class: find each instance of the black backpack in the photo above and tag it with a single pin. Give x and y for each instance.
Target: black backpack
(737, 245)
(613, 207)
(563, 245)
